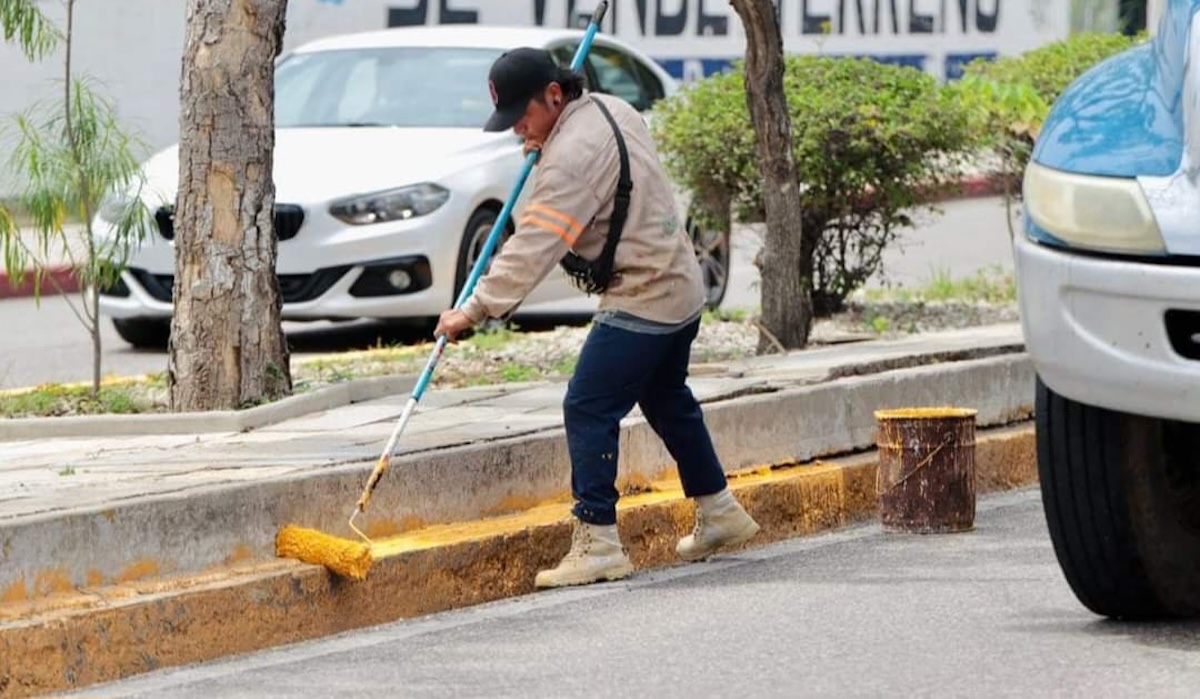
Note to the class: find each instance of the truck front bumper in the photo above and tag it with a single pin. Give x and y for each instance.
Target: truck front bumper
(1115, 334)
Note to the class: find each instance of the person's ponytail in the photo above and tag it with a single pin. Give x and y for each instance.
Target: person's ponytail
(573, 84)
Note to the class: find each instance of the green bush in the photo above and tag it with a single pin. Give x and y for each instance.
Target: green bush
(706, 141)
(1052, 68)
(871, 142)
(1009, 99)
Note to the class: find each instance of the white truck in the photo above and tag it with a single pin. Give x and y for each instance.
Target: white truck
(1108, 277)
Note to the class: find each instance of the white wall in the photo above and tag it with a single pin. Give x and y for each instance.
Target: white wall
(133, 47)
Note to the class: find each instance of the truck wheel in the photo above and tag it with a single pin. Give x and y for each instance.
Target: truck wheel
(1121, 495)
(144, 333)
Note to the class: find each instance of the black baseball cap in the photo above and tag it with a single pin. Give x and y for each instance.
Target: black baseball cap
(516, 77)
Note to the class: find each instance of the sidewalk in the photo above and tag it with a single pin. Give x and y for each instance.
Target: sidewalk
(41, 477)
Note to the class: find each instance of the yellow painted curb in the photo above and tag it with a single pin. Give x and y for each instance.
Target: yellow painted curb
(71, 641)
(107, 381)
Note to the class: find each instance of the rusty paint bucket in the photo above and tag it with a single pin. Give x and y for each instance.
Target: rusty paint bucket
(926, 475)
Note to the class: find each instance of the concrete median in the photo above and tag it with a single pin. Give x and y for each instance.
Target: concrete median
(196, 530)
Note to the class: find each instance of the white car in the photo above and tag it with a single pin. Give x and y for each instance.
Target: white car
(386, 184)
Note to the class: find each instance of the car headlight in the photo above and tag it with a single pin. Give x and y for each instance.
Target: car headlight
(392, 205)
(1099, 213)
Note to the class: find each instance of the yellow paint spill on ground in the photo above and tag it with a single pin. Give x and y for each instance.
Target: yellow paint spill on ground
(510, 505)
(17, 592)
(635, 483)
(51, 581)
(240, 553)
(144, 568)
(379, 528)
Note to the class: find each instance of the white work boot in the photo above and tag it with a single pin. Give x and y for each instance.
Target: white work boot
(720, 522)
(596, 554)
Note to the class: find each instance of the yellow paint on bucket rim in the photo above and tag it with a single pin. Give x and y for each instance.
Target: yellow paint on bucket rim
(945, 412)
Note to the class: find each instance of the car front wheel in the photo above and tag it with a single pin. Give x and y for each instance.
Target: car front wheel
(713, 251)
(475, 235)
(144, 333)
(1121, 495)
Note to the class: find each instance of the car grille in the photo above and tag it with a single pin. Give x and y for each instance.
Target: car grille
(288, 220)
(294, 288)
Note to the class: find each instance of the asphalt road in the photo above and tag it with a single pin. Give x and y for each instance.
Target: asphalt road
(857, 613)
(47, 344)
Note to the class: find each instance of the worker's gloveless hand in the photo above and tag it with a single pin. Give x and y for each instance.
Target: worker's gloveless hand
(528, 146)
(452, 323)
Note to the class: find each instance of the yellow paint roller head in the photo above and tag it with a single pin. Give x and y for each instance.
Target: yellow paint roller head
(351, 559)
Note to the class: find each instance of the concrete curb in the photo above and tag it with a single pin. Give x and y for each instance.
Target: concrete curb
(114, 633)
(64, 275)
(198, 529)
(331, 397)
(976, 188)
(199, 423)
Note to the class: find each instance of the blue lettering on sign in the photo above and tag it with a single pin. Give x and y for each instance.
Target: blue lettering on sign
(957, 62)
(678, 18)
(694, 68)
(688, 69)
(652, 16)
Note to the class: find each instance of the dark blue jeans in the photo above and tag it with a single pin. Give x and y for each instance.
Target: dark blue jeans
(617, 369)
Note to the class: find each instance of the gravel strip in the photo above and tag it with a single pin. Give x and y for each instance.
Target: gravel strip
(542, 356)
(551, 355)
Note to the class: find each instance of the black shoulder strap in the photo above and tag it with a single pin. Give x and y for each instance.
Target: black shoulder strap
(594, 276)
(624, 187)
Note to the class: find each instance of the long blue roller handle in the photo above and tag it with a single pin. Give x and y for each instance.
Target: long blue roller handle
(476, 272)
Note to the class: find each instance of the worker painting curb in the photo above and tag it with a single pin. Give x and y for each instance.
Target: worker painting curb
(103, 635)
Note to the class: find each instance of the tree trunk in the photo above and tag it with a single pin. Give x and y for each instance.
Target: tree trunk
(786, 295)
(227, 344)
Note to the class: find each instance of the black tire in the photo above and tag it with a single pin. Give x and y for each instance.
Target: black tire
(144, 333)
(713, 251)
(475, 234)
(1121, 495)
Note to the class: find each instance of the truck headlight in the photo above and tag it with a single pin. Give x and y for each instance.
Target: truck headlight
(1098, 213)
(391, 205)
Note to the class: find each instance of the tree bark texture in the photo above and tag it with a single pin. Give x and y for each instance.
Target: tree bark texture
(926, 477)
(227, 345)
(785, 262)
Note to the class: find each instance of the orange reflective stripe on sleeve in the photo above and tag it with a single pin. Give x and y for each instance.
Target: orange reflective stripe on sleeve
(554, 214)
(543, 221)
